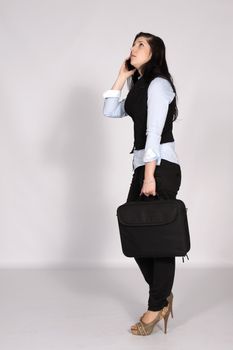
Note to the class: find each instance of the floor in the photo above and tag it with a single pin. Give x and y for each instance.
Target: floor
(94, 309)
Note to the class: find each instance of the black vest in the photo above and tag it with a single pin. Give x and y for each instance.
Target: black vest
(136, 108)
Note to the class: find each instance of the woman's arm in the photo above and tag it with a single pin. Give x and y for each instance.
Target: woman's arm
(120, 82)
(112, 106)
(160, 94)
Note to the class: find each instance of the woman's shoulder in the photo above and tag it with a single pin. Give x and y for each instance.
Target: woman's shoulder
(160, 81)
(161, 86)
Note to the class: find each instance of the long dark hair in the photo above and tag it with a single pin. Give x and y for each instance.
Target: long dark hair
(155, 67)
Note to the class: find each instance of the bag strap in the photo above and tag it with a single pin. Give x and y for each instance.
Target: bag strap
(149, 198)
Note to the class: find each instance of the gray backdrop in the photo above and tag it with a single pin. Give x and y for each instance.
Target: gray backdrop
(65, 167)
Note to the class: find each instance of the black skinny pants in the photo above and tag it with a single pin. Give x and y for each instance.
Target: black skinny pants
(158, 272)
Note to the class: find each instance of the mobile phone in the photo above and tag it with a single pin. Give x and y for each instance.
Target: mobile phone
(129, 66)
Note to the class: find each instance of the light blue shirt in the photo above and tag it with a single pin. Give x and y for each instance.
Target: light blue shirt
(160, 95)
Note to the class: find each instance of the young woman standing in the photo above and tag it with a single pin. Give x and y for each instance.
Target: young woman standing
(151, 103)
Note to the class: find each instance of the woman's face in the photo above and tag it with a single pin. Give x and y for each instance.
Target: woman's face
(140, 52)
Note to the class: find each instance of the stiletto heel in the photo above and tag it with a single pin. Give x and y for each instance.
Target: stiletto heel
(166, 320)
(170, 301)
(165, 314)
(143, 328)
(165, 325)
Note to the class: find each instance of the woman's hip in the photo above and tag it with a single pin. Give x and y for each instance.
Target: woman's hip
(167, 176)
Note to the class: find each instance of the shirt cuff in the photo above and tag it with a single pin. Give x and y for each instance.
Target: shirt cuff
(150, 155)
(112, 93)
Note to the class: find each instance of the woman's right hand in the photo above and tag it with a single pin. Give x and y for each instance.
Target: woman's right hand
(149, 188)
(124, 70)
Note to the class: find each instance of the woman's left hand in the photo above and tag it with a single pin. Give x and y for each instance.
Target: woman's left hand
(149, 187)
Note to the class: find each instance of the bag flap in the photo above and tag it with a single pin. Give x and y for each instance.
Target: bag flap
(139, 213)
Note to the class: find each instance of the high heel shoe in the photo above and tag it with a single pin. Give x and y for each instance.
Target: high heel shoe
(170, 302)
(143, 328)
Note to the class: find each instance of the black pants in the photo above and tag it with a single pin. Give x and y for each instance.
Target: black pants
(158, 272)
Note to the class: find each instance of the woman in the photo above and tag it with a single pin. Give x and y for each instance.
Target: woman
(151, 103)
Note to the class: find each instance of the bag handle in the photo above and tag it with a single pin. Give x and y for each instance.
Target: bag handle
(143, 197)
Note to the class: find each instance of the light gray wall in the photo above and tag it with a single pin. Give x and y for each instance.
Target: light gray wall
(65, 167)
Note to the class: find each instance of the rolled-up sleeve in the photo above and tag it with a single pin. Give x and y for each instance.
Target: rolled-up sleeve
(112, 106)
(160, 94)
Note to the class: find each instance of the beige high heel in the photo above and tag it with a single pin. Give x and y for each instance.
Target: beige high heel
(170, 303)
(143, 328)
